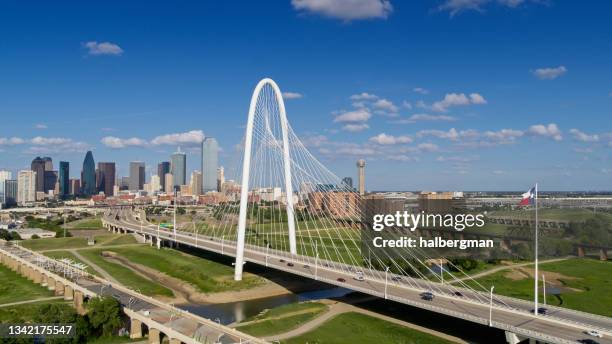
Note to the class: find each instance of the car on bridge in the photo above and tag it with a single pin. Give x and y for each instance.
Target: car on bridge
(594, 333)
(359, 277)
(427, 296)
(541, 310)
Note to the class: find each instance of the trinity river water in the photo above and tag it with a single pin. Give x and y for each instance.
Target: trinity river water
(227, 313)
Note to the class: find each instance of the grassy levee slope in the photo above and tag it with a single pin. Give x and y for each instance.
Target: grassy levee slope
(282, 319)
(585, 284)
(86, 223)
(15, 288)
(206, 275)
(19, 314)
(54, 243)
(124, 275)
(356, 328)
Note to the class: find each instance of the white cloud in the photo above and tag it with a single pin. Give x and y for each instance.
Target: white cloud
(40, 126)
(420, 90)
(346, 9)
(504, 135)
(498, 172)
(116, 143)
(451, 134)
(407, 105)
(427, 147)
(551, 131)
(12, 141)
(355, 127)
(359, 115)
(458, 99)
(292, 95)
(385, 105)
(583, 150)
(44, 141)
(190, 137)
(364, 96)
(384, 139)
(457, 6)
(581, 136)
(426, 117)
(550, 73)
(103, 48)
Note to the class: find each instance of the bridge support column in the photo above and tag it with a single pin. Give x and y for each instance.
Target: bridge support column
(603, 254)
(43, 281)
(154, 336)
(513, 338)
(68, 294)
(78, 302)
(158, 243)
(37, 277)
(580, 251)
(59, 288)
(50, 283)
(135, 329)
(175, 341)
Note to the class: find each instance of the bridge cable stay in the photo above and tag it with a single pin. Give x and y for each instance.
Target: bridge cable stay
(327, 213)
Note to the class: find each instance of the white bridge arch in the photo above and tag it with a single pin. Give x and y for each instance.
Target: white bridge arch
(256, 100)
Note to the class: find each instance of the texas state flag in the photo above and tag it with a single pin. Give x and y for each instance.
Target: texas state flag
(528, 197)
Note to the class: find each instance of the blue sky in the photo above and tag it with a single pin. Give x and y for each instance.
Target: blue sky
(459, 94)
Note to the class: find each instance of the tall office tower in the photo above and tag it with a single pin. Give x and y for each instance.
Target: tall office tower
(64, 178)
(38, 166)
(137, 175)
(196, 183)
(178, 168)
(347, 183)
(4, 176)
(26, 187)
(220, 178)
(155, 183)
(169, 181)
(210, 157)
(75, 187)
(50, 180)
(106, 173)
(361, 173)
(163, 168)
(88, 175)
(48, 163)
(10, 192)
(125, 183)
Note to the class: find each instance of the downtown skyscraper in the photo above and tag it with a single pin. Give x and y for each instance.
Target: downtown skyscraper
(210, 162)
(106, 175)
(64, 178)
(178, 168)
(88, 175)
(162, 169)
(137, 175)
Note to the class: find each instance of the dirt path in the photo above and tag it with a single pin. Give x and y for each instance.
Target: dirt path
(98, 269)
(285, 315)
(31, 301)
(339, 308)
(505, 267)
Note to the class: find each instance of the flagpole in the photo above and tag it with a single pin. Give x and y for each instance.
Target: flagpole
(535, 310)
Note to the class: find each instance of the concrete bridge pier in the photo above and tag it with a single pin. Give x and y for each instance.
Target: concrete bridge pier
(37, 277)
(68, 293)
(59, 288)
(603, 254)
(513, 338)
(158, 243)
(43, 281)
(154, 336)
(50, 283)
(79, 302)
(175, 341)
(580, 251)
(135, 329)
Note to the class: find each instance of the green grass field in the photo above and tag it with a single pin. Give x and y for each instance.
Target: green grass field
(23, 313)
(592, 280)
(206, 275)
(279, 319)
(76, 242)
(120, 240)
(85, 224)
(15, 288)
(124, 275)
(356, 328)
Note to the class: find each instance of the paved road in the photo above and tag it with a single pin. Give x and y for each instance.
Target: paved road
(31, 301)
(560, 325)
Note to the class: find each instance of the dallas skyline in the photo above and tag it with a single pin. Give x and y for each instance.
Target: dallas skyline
(408, 87)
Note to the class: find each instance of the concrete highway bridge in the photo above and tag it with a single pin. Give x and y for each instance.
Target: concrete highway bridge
(157, 321)
(514, 316)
